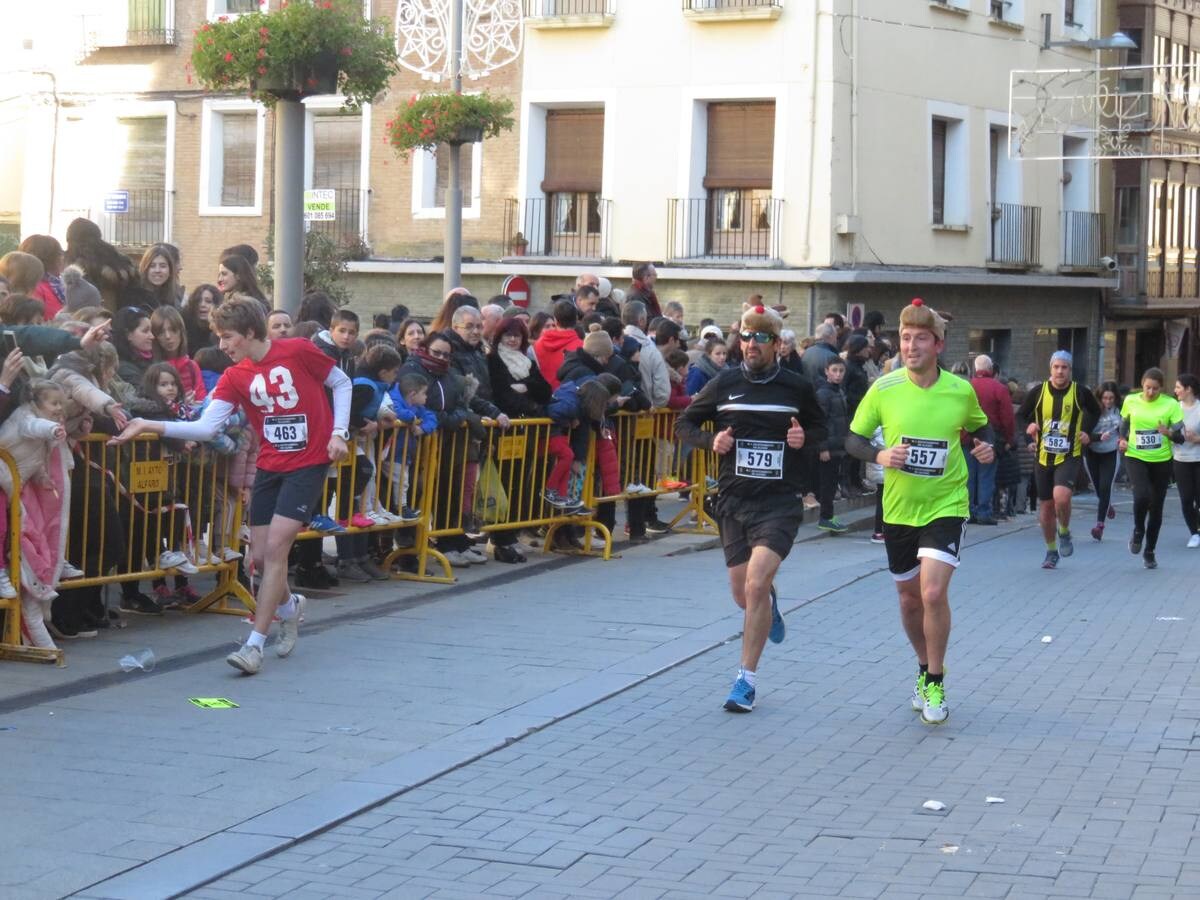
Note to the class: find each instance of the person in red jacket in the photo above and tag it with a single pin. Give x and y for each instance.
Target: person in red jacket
(996, 402)
(557, 341)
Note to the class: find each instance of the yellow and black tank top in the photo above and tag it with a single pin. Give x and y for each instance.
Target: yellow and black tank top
(1058, 418)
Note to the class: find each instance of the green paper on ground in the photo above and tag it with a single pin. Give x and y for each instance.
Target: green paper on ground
(212, 703)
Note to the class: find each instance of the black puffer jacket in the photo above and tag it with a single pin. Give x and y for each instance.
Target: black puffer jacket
(447, 394)
(580, 364)
(856, 383)
(837, 417)
(471, 363)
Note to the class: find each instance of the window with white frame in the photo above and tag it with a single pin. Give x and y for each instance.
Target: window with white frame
(431, 174)
(231, 158)
(949, 167)
(1079, 18)
(1011, 12)
(218, 8)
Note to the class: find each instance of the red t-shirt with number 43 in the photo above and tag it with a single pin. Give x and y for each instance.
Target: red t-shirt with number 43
(285, 401)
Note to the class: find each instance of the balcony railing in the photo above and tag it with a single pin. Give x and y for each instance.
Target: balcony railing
(349, 225)
(1016, 236)
(134, 23)
(147, 220)
(574, 226)
(732, 9)
(727, 224)
(1083, 242)
(570, 13)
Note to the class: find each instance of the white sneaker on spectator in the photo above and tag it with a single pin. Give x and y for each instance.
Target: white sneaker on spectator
(230, 555)
(173, 559)
(68, 571)
(598, 543)
(456, 558)
(636, 487)
(474, 557)
(7, 591)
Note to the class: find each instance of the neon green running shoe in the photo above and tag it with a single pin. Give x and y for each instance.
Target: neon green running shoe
(918, 697)
(935, 711)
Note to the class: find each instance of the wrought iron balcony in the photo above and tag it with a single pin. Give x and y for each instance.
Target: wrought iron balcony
(570, 13)
(135, 23)
(727, 224)
(1015, 236)
(349, 225)
(725, 10)
(1083, 240)
(147, 220)
(567, 225)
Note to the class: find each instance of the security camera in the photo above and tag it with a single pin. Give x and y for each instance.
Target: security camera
(1108, 263)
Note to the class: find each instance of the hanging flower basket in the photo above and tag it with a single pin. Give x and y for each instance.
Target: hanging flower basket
(306, 47)
(448, 118)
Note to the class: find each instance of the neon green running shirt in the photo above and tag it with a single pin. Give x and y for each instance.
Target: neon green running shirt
(933, 483)
(1145, 442)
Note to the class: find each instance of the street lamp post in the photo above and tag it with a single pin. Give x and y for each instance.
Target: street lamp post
(452, 248)
(1117, 41)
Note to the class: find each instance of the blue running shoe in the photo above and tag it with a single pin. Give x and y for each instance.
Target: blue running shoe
(741, 698)
(778, 630)
(326, 525)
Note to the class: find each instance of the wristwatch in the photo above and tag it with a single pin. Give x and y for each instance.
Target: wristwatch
(343, 433)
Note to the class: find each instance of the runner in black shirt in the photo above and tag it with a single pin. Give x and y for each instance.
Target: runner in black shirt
(762, 415)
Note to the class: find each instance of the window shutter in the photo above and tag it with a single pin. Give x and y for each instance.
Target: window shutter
(574, 151)
(238, 145)
(741, 145)
(144, 164)
(939, 171)
(337, 151)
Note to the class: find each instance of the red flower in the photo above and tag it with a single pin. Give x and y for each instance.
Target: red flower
(261, 53)
(222, 18)
(264, 31)
(211, 42)
(346, 51)
(262, 70)
(327, 5)
(412, 99)
(206, 27)
(228, 57)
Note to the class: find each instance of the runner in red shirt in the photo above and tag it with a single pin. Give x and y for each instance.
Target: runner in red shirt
(281, 386)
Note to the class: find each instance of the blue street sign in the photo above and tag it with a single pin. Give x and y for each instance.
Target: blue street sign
(116, 202)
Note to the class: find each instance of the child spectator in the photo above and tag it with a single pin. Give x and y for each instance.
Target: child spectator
(161, 397)
(677, 367)
(832, 398)
(212, 362)
(409, 395)
(35, 437)
(171, 337)
(573, 404)
(708, 365)
(371, 405)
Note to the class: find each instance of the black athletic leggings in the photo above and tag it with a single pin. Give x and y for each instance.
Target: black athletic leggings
(1150, 481)
(1187, 478)
(1102, 469)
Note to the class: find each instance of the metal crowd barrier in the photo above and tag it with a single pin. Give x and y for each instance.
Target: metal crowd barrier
(132, 503)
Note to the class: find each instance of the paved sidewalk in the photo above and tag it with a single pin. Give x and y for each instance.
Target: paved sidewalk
(390, 686)
(1089, 739)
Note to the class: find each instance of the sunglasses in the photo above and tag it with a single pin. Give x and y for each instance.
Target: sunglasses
(761, 337)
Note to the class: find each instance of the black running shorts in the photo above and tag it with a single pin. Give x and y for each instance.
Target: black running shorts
(292, 495)
(744, 527)
(940, 539)
(1047, 478)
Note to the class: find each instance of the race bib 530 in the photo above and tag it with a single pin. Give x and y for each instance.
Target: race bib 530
(1149, 439)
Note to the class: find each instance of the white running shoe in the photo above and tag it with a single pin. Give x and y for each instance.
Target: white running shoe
(935, 711)
(474, 557)
(636, 487)
(246, 658)
(173, 559)
(918, 697)
(230, 555)
(7, 591)
(1194, 542)
(457, 558)
(68, 571)
(289, 629)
